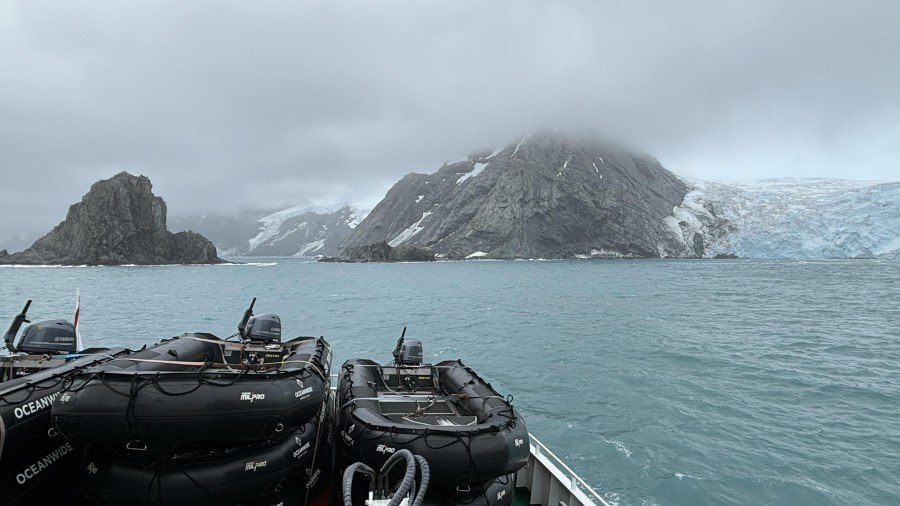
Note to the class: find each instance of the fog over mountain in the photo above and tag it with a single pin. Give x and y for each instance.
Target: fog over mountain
(231, 106)
(550, 195)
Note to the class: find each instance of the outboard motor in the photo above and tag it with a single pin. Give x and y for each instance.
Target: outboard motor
(265, 327)
(48, 336)
(407, 352)
(411, 352)
(44, 337)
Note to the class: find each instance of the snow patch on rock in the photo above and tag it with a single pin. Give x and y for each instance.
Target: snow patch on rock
(479, 167)
(410, 232)
(310, 248)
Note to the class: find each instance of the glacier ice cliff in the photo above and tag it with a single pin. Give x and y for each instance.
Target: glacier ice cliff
(789, 218)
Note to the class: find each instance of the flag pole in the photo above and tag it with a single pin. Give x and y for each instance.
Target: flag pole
(78, 344)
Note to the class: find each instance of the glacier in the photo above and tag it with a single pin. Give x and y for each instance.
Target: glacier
(304, 230)
(788, 218)
(270, 228)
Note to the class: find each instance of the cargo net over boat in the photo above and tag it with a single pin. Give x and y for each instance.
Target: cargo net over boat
(470, 439)
(197, 419)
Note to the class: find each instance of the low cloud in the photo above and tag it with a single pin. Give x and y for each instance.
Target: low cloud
(229, 105)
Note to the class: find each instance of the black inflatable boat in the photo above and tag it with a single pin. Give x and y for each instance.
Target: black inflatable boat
(471, 437)
(245, 474)
(197, 390)
(31, 452)
(201, 420)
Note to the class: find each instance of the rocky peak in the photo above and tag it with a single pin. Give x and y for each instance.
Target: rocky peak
(119, 221)
(544, 196)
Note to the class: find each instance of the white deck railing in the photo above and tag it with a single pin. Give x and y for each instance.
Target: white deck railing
(552, 483)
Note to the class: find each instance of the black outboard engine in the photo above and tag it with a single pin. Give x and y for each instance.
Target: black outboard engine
(265, 327)
(407, 352)
(48, 336)
(44, 337)
(411, 352)
(260, 341)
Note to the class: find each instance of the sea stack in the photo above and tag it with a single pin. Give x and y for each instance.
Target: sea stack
(119, 221)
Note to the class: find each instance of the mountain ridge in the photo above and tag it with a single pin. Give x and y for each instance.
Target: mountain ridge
(543, 196)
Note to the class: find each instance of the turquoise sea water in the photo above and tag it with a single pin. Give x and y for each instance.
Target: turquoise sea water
(659, 382)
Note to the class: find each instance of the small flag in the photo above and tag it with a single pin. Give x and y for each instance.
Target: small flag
(78, 344)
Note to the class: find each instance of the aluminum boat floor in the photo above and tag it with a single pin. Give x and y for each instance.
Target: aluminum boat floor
(423, 410)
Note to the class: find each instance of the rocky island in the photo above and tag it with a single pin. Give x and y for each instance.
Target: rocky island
(119, 221)
(382, 252)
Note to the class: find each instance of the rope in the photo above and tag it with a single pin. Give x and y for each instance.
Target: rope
(171, 362)
(318, 440)
(409, 366)
(60, 378)
(206, 375)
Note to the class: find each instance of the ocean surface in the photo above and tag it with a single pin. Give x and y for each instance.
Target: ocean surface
(660, 382)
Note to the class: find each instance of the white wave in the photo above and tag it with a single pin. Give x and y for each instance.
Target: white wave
(445, 349)
(619, 447)
(27, 266)
(249, 264)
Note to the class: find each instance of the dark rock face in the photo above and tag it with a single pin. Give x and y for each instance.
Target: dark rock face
(382, 252)
(119, 221)
(546, 196)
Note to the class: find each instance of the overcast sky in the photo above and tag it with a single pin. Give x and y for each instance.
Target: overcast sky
(229, 105)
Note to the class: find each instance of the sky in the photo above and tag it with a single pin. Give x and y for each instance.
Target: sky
(230, 105)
